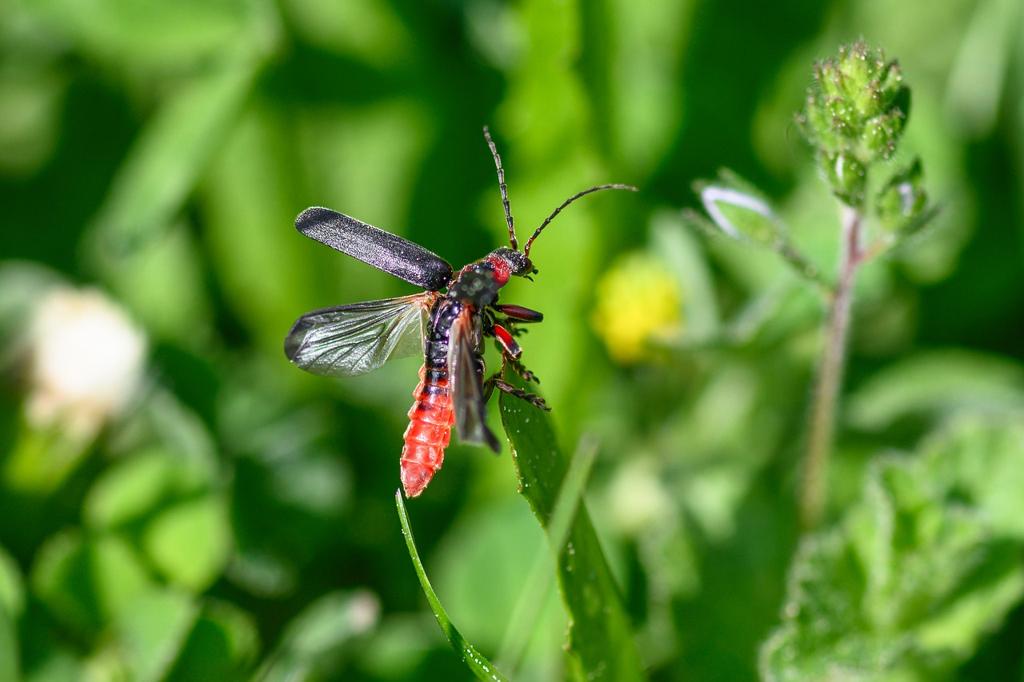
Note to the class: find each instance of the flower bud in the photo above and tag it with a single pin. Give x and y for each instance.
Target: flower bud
(855, 112)
(846, 175)
(902, 199)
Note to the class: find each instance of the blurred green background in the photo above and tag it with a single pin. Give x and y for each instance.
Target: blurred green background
(234, 515)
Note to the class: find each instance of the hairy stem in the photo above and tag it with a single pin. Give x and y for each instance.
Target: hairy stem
(830, 375)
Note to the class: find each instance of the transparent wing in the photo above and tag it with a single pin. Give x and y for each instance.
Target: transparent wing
(465, 371)
(357, 338)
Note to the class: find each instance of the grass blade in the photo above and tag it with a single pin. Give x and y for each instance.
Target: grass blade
(166, 161)
(601, 644)
(481, 667)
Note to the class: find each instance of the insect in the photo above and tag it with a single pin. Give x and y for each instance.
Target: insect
(447, 323)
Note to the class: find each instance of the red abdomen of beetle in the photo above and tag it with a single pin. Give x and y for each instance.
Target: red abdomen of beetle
(430, 425)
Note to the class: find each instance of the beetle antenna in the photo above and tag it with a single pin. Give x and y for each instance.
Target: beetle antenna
(574, 197)
(504, 191)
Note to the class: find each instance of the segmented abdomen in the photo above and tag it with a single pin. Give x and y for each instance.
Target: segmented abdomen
(430, 424)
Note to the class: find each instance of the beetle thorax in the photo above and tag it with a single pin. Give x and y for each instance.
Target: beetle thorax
(476, 284)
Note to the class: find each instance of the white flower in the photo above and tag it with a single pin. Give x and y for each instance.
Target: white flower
(86, 360)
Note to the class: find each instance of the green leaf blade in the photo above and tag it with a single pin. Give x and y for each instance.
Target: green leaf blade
(601, 641)
(480, 666)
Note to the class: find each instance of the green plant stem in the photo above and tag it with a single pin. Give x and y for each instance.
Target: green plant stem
(830, 375)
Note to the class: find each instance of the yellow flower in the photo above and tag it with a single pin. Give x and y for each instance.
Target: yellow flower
(637, 299)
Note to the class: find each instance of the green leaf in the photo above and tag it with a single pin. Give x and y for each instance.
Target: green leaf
(88, 581)
(977, 79)
(183, 528)
(977, 461)
(22, 284)
(138, 485)
(934, 384)
(8, 647)
(368, 30)
(151, 34)
(601, 640)
(60, 665)
(165, 162)
(190, 542)
(739, 211)
(397, 647)
(161, 282)
(480, 666)
(740, 214)
(504, 537)
(12, 588)
(222, 646)
(318, 635)
(523, 622)
(248, 195)
(902, 200)
(31, 89)
(152, 633)
(918, 571)
(646, 108)
(682, 252)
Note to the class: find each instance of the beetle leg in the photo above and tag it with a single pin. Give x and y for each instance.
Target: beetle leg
(489, 319)
(520, 369)
(519, 313)
(508, 345)
(496, 382)
(506, 387)
(513, 328)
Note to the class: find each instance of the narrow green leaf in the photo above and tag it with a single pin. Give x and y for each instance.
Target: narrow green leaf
(165, 162)
(12, 586)
(935, 384)
(150, 35)
(685, 255)
(522, 622)
(480, 666)
(315, 639)
(32, 89)
(737, 210)
(977, 79)
(8, 647)
(503, 536)
(741, 215)
(601, 643)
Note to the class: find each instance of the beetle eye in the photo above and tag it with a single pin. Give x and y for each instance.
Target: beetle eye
(521, 265)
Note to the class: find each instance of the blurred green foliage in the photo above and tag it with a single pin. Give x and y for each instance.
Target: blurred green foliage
(234, 516)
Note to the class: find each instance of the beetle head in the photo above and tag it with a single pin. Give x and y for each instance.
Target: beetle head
(518, 263)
